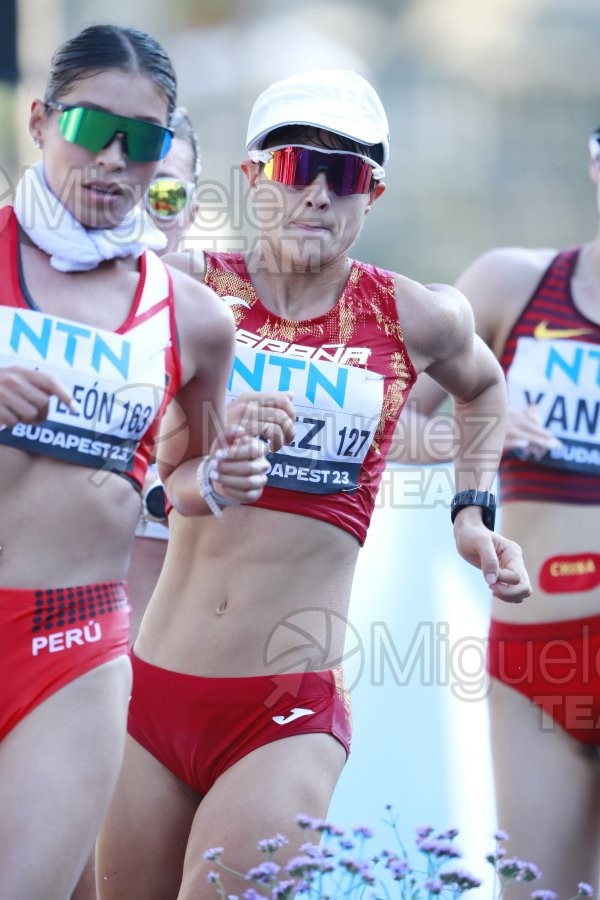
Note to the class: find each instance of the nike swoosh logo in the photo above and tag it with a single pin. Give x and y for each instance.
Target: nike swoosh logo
(296, 713)
(543, 333)
(235, 301)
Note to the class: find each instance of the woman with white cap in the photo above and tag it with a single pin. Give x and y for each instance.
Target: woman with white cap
(239, 718)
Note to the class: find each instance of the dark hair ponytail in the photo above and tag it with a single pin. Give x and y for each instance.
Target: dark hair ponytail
(102, 47)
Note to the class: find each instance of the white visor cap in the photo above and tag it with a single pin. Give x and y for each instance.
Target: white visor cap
(338, 100)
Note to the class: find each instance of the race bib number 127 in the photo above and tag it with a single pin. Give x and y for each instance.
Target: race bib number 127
(337, 413)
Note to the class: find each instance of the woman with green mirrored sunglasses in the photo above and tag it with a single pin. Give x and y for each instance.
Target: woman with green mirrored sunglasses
(97, 336)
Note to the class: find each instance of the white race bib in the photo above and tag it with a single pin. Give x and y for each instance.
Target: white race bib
(117, 380)
(561, 378)
(338, 409)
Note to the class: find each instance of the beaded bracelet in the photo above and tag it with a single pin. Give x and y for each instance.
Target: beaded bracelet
(207, 467)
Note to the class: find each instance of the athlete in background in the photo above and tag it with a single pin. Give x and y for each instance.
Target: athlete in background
(170, 201)
(539, 311)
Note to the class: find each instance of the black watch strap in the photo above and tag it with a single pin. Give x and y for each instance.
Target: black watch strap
(155, 503)
(483, 499)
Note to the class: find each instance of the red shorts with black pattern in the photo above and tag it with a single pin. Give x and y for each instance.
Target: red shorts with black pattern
(199, 727)
(51, 636)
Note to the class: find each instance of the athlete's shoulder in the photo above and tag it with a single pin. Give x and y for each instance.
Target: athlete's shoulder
(197, 306)
(436, 319)
(190, 262)
(427, 299)
(527, 258)
(500, 283)
(508, 267)
(204, 323)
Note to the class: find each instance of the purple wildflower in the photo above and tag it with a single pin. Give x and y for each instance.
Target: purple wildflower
(303, 866)
(363, 831)
(423, 831)
(351, 865)
(359, 867)
(543, 895)
(460, 879)
(347, 844)
(449, 834)
(315, 851)
(264, 873)
(325, 827)
(212, 877)
(438, 848)
(270, 845)
(529, 872)
(518, 870)
(251, 894)
(433, 885)
(500, 835)
(282, 890)
(212, 853)
(584, 889)
(509, 868)
(399, 867)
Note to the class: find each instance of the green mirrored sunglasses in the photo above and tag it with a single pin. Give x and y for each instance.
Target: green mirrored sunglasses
(95, 129)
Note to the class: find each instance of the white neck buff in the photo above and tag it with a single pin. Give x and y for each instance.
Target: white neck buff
(71, 246)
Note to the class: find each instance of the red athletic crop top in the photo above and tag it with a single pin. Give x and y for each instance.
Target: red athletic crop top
(350, 374)
(552, 359)
(120, 379)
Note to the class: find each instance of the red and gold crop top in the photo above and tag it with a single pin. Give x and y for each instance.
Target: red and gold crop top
(350, 374)
(552, 360)
(119, 379)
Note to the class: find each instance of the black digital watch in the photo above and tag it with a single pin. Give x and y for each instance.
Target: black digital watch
(155, 508)
(483, 499)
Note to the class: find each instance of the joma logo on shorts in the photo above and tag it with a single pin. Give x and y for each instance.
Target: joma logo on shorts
(64, 640)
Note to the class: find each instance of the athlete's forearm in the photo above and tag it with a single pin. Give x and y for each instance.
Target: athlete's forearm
(480, 429)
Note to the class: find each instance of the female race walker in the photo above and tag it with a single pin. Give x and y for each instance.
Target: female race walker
(96, 336)
(539, 311)
(239, 717)
(170, 201)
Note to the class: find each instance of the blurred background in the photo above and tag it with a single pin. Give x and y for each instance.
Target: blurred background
(490, 106)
